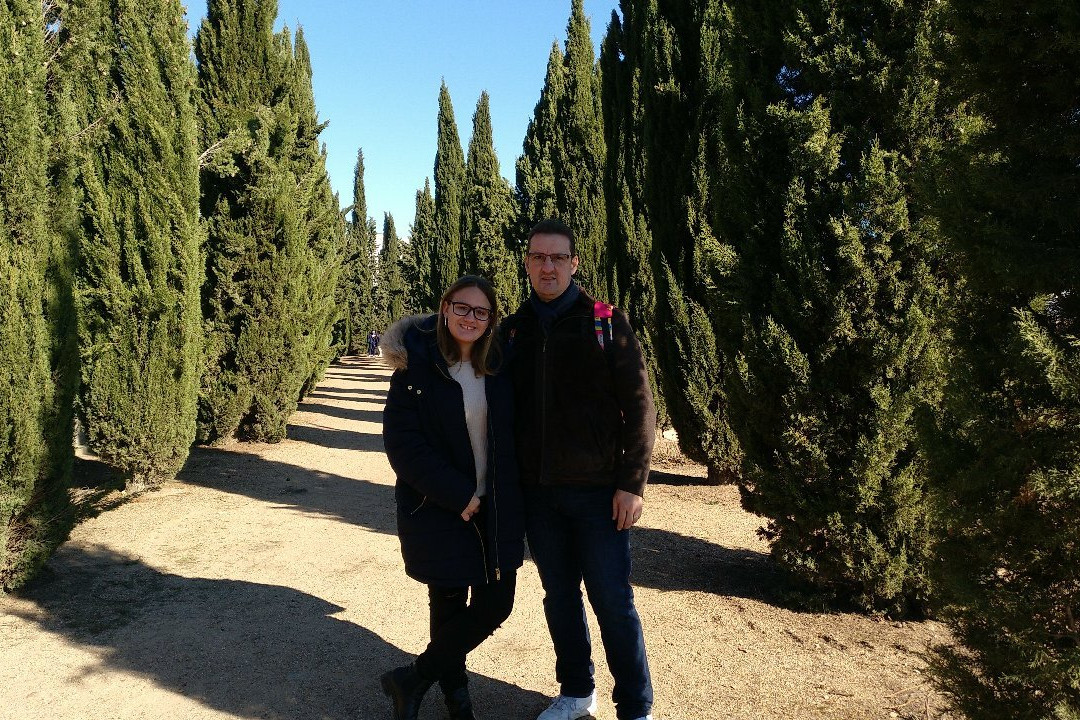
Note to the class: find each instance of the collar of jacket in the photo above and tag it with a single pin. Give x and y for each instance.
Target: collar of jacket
(411, 340)
(583, 306)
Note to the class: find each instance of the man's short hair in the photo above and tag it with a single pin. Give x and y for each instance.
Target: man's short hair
(551, 226)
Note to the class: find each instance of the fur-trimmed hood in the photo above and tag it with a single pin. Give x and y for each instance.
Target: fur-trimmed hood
(394, 345)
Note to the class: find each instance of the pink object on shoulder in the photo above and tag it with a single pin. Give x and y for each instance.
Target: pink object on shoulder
(602, 309)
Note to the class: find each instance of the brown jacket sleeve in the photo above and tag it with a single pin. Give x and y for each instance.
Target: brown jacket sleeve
(635, 399)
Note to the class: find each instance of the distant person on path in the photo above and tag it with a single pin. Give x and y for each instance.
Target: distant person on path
(372, 340)
(448, 432)
(585, 427)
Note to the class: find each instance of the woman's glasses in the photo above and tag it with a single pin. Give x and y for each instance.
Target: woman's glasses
(482, 314)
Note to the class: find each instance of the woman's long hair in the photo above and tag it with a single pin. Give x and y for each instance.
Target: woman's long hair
(486, 354)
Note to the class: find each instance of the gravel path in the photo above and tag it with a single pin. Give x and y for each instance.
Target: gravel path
(266, 582)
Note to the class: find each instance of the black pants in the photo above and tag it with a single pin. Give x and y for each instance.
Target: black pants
(458, 626)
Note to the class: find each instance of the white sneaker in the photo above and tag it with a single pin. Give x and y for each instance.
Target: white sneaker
(570, 708)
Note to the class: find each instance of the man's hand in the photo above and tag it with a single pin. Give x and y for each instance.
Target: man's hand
(626, 509)
(470, 509)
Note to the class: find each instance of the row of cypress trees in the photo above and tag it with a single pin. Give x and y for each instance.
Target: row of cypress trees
(847, 234)
(468, 223)
(861, 226)
(169, 248)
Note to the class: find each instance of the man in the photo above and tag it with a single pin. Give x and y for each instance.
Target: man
(585, 427)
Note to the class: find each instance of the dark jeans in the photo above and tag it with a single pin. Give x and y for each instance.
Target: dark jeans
(458, 626)
(573, 538)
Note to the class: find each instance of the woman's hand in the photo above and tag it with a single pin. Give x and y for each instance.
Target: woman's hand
(471, 509)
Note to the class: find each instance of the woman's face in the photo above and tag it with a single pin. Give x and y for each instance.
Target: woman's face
(467, 329)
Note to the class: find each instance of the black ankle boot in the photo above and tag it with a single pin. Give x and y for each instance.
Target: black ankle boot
(459, 704)
(406, 688)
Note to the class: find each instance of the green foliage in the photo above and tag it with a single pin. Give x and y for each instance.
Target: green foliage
(275, 239)
(137, 287)
(580, 154)
(358, 268)
(837, 307)
(535, 187)
(660, 215)
(1005, 441)
(488, 213)
(421, 295)
(561, 170)
(447, 260)
(35, 422)
(391, 286)
(766, 151)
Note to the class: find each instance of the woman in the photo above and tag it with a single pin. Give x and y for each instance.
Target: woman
(448, 432)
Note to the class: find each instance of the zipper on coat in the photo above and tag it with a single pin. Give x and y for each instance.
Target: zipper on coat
(483, 551)
(491, 491)
(543, 405)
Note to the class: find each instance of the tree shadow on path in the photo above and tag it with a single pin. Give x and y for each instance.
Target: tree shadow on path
(337, 411)
(247, 649)
(338, 439)
(666, 560)
(358, 502)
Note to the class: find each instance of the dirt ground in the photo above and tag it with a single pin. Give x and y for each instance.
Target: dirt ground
(266, 582)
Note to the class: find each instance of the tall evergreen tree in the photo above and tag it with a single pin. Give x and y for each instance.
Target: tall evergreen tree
(795, 279)
(654, 76)
(274, 239)
(561, 170)
(358, 277)
(488, 213)
(391, 284)
(323, 225)
(831, 270)
(631, 258)
(535, 187)
(139, 271)
(1005, 443)
(446, 261)
(35, 460)
(419, 283)
(580, 155)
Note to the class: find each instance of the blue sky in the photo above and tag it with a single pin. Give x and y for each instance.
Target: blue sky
(377, 66)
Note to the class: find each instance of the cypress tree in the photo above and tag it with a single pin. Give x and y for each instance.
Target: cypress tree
(580, 154)
(831, 270)
(794, 278)
(561, 169)
(488, 212)
(654, 77)
(324, 227)
(419, 283)
(357, 277)
(139, 272)
(274, 239)
(241, 72)
(35, 460)
(631, 258)
(1005, 442)
(449, 191)
(535, 188)
(391, 285)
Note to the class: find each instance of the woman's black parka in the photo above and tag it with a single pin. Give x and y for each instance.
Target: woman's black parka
(427, 443)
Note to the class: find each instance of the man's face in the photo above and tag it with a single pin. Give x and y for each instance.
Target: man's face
(550, 275)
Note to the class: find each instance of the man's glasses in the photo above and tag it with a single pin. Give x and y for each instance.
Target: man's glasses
(540, 259)
(482, 314)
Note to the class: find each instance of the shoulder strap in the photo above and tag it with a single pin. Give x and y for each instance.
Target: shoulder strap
(602, 323)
